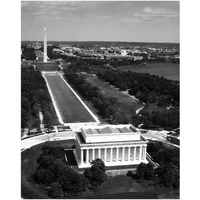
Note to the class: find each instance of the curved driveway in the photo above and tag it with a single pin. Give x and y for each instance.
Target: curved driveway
(29, 142)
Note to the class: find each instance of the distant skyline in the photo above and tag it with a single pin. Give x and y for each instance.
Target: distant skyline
(129, 21)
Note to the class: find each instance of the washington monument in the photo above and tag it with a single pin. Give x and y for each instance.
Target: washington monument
(45, 46)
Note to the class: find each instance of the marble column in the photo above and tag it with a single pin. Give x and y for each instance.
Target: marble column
(99, 153)
(140, 154)
(129, 149)
(145, 152)
(123, 153)
(81, 156)
(93, 154)
(111, 154)
(105, 154)
(134, 155)
(117, 154)
(87, 156)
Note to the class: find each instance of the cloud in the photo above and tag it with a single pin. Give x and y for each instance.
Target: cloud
(25, 3)
(50, 9)
(150, 14)
(61, 5)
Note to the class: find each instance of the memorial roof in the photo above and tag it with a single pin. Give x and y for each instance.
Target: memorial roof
(82, 140)
(110, 130)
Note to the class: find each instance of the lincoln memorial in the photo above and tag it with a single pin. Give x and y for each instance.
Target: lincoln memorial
(114, 144)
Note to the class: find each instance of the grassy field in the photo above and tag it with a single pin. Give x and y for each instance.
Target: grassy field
(126, 103)
(167, 70)
(29, 164)
(122, 187)
(71, 109)
(46, 66)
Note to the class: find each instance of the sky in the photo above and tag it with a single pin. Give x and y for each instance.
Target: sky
(131, 21)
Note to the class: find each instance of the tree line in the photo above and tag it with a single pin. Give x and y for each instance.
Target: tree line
(145, 87)
(149, 89)
(58, 180)
(34, 98)
(28, 53)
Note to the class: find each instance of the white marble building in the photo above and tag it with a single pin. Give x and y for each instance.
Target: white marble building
(115, 144)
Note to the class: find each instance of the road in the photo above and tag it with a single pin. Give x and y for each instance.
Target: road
(157, 135)
(138, 110)
(29, 142)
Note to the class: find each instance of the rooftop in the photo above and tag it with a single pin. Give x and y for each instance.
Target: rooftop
(110, 133)
(110, 130)
(82, 141)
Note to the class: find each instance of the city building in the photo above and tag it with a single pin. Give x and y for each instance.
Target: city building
(117, 57)
(57, 51)
(116, 145)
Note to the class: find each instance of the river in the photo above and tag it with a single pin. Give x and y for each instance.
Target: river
(168, 70)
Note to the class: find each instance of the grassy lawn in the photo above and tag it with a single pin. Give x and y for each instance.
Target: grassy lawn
(122, 187)
(126, 103)
(167, 70)
(71, 109)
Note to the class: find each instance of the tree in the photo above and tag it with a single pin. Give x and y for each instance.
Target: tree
(96, 174)
(71, 181)
(98, 163)
(145, 171)
(46, 161)
(25, 117)
(136, 120)
(129, 173)
(118, 118)
(47, 119)
(56, 174)
(110, 111)
(156, 118)
(170, 177)
(88, 174)
(99, 176)
(56, 190)
(149, 174)
(44, 176)
(36, 123)
(142, 167)
(25, 105)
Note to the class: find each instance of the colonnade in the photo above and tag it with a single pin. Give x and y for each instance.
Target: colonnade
(112, 155)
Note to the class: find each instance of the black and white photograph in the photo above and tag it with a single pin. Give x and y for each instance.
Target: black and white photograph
(100, 99)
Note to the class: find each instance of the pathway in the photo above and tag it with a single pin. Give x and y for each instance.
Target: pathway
(138, 110)
(29, 142)
(157, 135)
